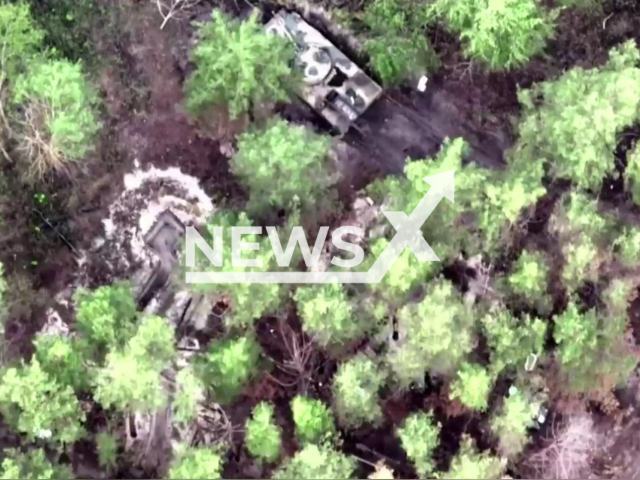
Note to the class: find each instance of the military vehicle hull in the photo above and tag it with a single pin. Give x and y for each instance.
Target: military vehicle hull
(333, 86)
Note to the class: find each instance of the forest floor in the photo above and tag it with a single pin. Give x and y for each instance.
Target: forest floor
(141, 81)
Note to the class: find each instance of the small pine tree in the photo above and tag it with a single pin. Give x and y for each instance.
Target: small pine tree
(229, 365)
(282, 162)
(195, 462)
(107, 446)
(419, 436)
(20, 38)
(262, 436)
(529, 280)
(238, 64)
(313, 420)
(38, 406)
(503, 35)
(511, 424)
(628, 247)
(327, 314)
(437, 334)
(316, 461)
(469, 463)
(472, 386)
(356, 387)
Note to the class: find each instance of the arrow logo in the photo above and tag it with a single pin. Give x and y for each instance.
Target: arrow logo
(407, 235)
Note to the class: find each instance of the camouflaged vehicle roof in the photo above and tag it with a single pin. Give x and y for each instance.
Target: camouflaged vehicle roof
(334, 86)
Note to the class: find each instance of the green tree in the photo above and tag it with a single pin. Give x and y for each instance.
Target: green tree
(469, 463)
(106, 317)
(472, 386)
(356, 387)
(229, 365)
(313, 420)
(318, 462)
(190, 390)
(575, 127)
(281, 162)
(529, 280)
(419, 435)
(131, 377)
(628, 247)
(30, 465)
(62, 358)
(107, 446)
(196, 463)
(58, 119)
(503, 35)
(512, 339)
(20, 39)
(511, 424)
(593, 351)
(262, 436)
(248, 301)
(396, 43)
(239, 64)
(38, 406)
(437, 333)
(327, 314)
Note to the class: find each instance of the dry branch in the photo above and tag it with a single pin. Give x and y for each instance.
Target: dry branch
(174, 9)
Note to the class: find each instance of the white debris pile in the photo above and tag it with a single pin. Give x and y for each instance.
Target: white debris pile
(147, 193)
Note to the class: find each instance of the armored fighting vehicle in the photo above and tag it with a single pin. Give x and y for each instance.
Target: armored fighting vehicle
(156, 293)
(334, 86)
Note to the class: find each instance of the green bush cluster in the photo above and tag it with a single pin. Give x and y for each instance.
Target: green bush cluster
(313, 420)
(196, 462)
(317, 461)
(472, 386)
(419, 435)
(239, 65)
(261, 434)
(503, 35)
(356, 390)
(511, 423)
(31, 464)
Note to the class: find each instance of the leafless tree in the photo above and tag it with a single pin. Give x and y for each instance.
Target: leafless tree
(569, 451)
(174, 8)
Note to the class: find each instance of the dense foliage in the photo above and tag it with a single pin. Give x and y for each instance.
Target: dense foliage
(281, 162)
(261, 434)
(238, 64)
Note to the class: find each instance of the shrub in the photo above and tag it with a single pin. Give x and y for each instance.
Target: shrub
(397, 44)
(575, 126)
(38, 406)
(327, 314)
(131, 378)
(229, 365)
(419, 436)
(313, 420)
(617, 297)
(189, 392)
(529, 279)
(196, 462)
(581, 262)
(511, 424)
(437, 334)
(59, 120)
(20, 37)
(238, 63)
(356, 388)
(632, 173)
(62, 358)
(248, 301)
(628, 246)
(262, 436)
(317, 461)
(593, 352)
(106, 317)
(512, 340)
(32, 464)
(503, 35)
(281, 162)
(472, 386)
(468, 463)
(107, 446)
